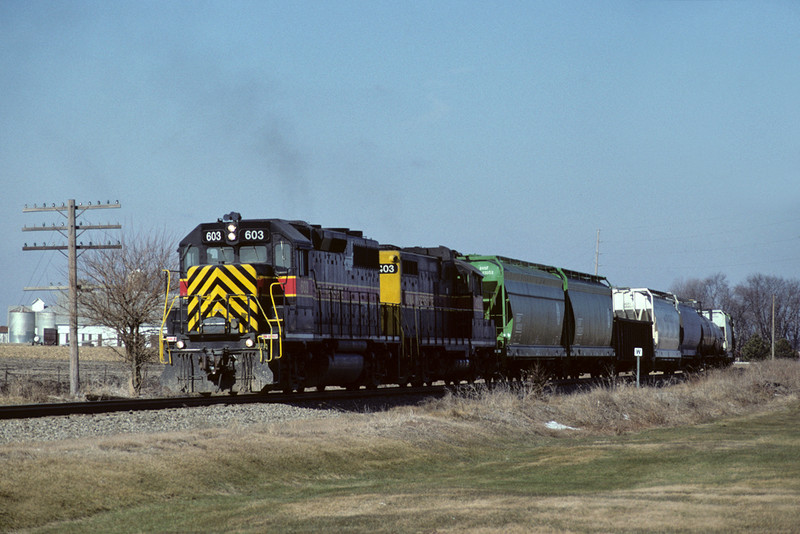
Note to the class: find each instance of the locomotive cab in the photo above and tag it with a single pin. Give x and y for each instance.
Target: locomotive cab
(235, 278)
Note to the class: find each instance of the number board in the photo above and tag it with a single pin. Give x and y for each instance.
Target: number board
(252, 235)
(214, 236)
(388, 268)
(249, 235)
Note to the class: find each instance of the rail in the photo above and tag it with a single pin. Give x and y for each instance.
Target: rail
(27, 411)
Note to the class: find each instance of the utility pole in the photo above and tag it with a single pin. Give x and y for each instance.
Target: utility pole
(71, 231)
(773, 326)
(597, 253)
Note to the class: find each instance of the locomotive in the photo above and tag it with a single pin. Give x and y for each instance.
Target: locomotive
(277, 304)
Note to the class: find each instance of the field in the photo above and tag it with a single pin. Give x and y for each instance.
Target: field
(30, 374)
(719, 453)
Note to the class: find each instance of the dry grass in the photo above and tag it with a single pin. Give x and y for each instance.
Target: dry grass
(621, 407)
(60, 353)
(479, 462)
(36, 374)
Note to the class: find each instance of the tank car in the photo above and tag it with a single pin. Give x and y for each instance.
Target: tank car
(683, 337)
(726, 341)
(276, 304)
(658, 309)
(692, 335)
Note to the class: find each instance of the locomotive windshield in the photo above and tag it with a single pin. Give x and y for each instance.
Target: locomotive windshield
(253, 254)
(193, 255)
(219, 255)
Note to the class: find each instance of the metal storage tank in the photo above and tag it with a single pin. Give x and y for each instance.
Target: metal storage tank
(21, 325)
(44, 320)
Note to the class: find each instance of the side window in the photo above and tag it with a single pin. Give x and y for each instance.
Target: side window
(191, 257)
(302, 268)
(283, 256)
(253, 254)
(219, 255)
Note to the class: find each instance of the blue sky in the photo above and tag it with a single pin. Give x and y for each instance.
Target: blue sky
(513, 128)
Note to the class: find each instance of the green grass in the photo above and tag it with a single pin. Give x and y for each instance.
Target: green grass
(739, 474)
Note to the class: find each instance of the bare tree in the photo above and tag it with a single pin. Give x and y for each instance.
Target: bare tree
(124, 290)
(750, 304)
(711, 292)
(753, 300)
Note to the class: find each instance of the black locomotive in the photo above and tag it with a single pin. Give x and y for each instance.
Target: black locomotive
(277, 304)
(270, 303)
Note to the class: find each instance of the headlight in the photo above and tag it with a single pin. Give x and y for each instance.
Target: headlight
(180, 344)
(249, 342)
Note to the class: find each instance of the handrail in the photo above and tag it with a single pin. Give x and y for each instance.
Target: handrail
(164, 321)
(277, 322)
(165, 356)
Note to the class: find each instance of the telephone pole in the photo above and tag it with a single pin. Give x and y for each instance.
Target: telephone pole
(71, 232)
(773, 326)
(597, 254)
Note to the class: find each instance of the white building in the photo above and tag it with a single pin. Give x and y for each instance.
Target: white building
(39, 323)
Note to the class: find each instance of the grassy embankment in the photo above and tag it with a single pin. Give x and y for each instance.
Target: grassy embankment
(718, 454)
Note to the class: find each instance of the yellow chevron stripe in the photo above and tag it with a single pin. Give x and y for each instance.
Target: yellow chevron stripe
(208, 294)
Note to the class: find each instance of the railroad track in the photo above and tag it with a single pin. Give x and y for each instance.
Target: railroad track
(332, 397)
(27, 411)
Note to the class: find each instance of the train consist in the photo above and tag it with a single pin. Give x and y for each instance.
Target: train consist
(276, 304)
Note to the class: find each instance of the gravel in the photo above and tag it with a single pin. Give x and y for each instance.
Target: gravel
(153, 421)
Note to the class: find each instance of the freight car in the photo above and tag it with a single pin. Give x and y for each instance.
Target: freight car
(683, 337)
(558, 320)
(277, 304)
(271, 303)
